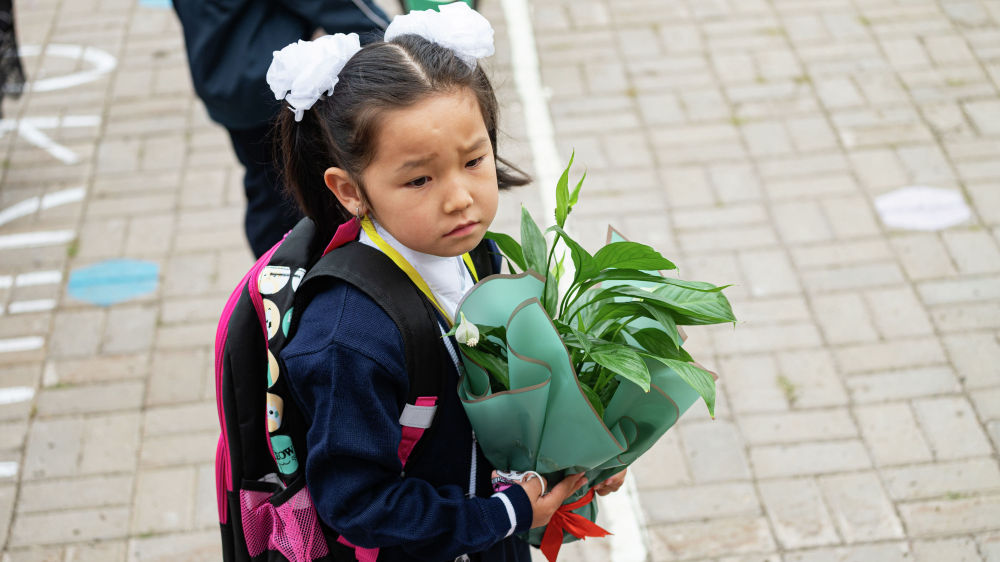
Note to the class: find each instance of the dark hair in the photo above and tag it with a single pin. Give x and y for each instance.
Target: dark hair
(340, 129)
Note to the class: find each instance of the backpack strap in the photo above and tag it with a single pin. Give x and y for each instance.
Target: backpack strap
(377, 276)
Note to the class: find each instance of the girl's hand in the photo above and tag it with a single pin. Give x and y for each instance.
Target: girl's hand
(542, 507)
(611, 484)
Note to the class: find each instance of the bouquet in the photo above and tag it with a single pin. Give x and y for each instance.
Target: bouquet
(583, 378)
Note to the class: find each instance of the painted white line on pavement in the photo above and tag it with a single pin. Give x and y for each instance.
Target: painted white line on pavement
(33, 204)
(36, 239)
(628, 543)
(29, 343)
(33, 278)
(39, 305)
(15, 394)
(36, 137)
(8, 469)
(103, 63)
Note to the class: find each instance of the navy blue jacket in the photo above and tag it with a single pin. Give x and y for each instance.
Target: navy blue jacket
(230, 44)
(347, 372)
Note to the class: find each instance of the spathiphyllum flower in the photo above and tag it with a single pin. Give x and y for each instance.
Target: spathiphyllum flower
(467, 332)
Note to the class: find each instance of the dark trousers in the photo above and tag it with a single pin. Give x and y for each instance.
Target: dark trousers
(270, 214)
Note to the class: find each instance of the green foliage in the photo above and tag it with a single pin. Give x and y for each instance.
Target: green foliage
(610, 291)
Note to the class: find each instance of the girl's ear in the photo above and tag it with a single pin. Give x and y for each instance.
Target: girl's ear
(339, 182)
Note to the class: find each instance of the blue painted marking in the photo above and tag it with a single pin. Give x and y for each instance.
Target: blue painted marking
(157, 3)
(113, 281)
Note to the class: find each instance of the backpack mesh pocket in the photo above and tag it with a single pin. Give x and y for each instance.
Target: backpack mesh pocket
(281, 520)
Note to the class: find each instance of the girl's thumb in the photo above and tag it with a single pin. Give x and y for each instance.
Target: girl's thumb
(570, 485)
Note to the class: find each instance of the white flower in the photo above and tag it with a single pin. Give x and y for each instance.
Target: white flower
(467, 332)
(303, 71)
(456, 27)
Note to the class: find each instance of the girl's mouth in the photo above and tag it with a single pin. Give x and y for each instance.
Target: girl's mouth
(464, 229)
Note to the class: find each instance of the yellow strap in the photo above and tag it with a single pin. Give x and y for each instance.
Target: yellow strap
(408, 269)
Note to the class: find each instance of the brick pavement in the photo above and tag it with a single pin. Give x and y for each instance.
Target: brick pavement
(859, 408)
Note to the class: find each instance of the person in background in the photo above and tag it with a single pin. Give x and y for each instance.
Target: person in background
(229, 46)
(11, 72)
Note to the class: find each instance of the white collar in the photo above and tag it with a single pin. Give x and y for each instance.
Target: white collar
(448, 278)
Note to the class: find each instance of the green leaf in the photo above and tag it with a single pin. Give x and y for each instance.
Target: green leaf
(658, 343)
(550, 295)
(575, 196)
(534, 244)
(631, 255)
(594, 399)
(665, 319)
(622, 360)
(493, 364)
(562, 194)
(701, 306)
(583, 262)
(699, 379)
(510, 248)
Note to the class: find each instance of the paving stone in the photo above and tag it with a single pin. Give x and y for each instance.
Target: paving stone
(75, 493)
(892, 434)
(962, 290)
(101, 239)
(897, 313)
(182, 418)
(53, 448)
(986, 200)
(840, 254)
(699, 502)
(810, 379)
(989, 545)
(712, 538)
(757, 389)
(792, 427)
(951, 516)
(860, 507)
(129, 329)
(149, 236)
(91, 398)
(923, 256)
(163, 500)
(844, 318)
(975, 356)
(748, 339)
(775, 461)
(798, 513)
(987, 403)
(69, 526)
(852, 277)
(973, 251)
(76, 333)
(967, 316)
(946, 418)
(891, 552)
(201, 546)
(97, 369)
(903, 384)
(899, 354)
(802, 188)
(769, 273)
(943, 479)
(714, 451)
(179, 449)
(801, 222)
(985, 114)
(878, 169)
(663, 465)
(956, 550)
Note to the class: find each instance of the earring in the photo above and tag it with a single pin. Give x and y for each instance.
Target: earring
(357, 213)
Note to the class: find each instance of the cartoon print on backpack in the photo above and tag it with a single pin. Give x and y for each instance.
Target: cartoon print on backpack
(273, 278)
(275, 407)
(272, 368)
(284, 453)
(272, 316)
(286, 322)
(297, 278)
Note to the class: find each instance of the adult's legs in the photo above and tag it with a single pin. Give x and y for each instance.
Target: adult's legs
(269, 213)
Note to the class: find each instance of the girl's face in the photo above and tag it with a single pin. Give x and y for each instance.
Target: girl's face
(433, 181)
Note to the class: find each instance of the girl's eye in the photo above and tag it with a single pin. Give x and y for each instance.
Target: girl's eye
(474, 163)
(419, 182)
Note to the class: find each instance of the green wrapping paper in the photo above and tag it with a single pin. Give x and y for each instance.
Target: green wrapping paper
(544, 422)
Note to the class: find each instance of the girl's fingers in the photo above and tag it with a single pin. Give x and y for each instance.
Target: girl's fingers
(567, 487)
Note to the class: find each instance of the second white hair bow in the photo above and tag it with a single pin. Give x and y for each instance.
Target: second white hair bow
(456, 27)
(303, 71)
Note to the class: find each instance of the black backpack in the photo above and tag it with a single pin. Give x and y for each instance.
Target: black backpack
(265, 510)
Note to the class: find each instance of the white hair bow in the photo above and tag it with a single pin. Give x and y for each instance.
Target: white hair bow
(303, 71)
(456, 27)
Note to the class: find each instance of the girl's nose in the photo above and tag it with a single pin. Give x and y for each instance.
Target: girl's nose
(459, 198)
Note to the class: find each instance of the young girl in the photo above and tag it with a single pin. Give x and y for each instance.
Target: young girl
(401, 135)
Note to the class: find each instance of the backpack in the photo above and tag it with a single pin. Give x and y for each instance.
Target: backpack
(265, 510)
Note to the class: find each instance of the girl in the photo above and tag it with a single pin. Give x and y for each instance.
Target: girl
(401, 136)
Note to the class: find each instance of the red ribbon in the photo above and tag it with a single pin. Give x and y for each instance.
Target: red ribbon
(577, 525)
